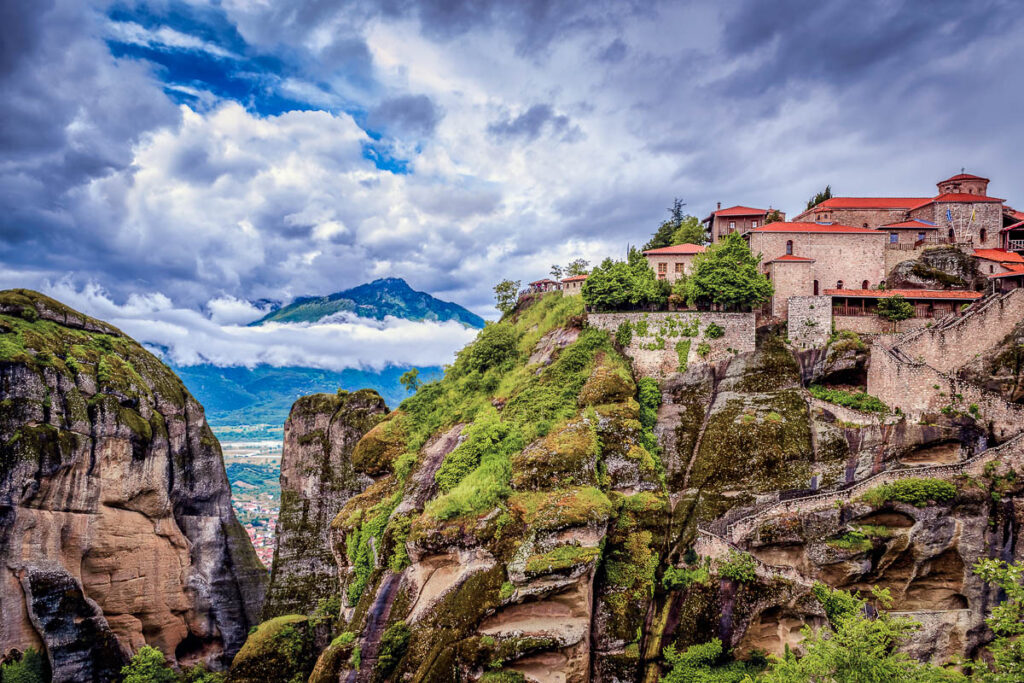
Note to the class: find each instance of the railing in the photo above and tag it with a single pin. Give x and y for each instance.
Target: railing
(1016, 245)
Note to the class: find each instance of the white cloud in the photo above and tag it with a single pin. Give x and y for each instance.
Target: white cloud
(162, 37)
(187, 337)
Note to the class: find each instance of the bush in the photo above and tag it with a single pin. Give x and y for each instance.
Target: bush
(495, 347)
(147, 666)
(917, 492)
(393, 645)
(682, 353)
(33, 667)
(713, 331)
(676, 578)
(858, 401)
(895, 308)
(624, 334)
(740, 566)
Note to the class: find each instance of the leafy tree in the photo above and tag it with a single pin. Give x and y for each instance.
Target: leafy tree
(895, 308)
(411, 380)
(31, 668)
(620, 284)
(855, 647)
(727, 274)
(1007, 622)
(148, 666)
(577, 266)
(506, 293)
(698, 665)
(690, 231)
(662, 237)
(556, 272)
(495, 346)
(820, 197)
(774, 216)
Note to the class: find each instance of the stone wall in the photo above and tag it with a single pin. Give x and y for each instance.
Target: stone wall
(656, 336)
(968, 219)
(873, 218)
(872, 324)
(847, 257)
(894, 257)
(671, 262)
(955, 341)
(810, 321)
(789, 279)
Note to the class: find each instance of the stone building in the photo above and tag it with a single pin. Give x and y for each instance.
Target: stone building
(541, 286)
(997, 261)
(739, 219)
(804, 259)
(573, 285)
(670, 263)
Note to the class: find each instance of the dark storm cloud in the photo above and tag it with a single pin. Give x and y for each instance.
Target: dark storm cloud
(407, 114)
(531, 123)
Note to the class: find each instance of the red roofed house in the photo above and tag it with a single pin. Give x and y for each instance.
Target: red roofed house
(1012, 233)
(804, 259)
(573, 285)
(544, 285)
(669, 263)
(735, 219)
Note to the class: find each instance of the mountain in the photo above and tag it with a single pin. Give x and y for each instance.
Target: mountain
(388, 296)
(116, 526)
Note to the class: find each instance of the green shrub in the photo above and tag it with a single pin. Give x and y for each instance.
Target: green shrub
(713, 331)
(624, 334)
(147, 666)
(676, 578)
(33, 667)
(740, 566)
(858, 401)
(917, 492)
(393, 645)
(495, 347)
(703, 349)
(852, 540)
(683, 353)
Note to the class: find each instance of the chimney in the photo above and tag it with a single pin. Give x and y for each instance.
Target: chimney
(719, 205)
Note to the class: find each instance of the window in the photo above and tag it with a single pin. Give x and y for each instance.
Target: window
(679, 267)
(865, 225)
(789, 247)
(952, 235)
(991, 269)
(894, 237)
(732, 225)
(839, 284)
(982, 234)
(865, 285)
(662, 268)
(753, 223)
(920, 237)
(815, 288)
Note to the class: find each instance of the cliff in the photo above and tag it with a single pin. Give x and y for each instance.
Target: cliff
(117, 529)
(317, 479)
(545, 512)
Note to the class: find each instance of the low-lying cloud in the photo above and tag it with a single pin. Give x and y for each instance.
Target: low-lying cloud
(188, 337)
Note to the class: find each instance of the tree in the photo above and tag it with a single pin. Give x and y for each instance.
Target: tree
(855, 647)
(774, 216)
(662, 237)
(33, 667)
(820, 197)
(895, 308)
(411, 380)
(506, 293)
(556, 272)
(1007, 622)
(621, 284)
(690, 231)
(148, 666)
(577, 266)
(727, 274)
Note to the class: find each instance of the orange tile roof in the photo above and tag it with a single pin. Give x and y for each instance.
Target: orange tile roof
(959, 198)
(915, 223)
(999, 255)
(1015, 226)
(574, 278)
(964, 176)
(739, 211)
(814, 227)
(1016, 269)
(905, 293)
(676, 250)
(1018, 215)
(794, 259)
(870, 203)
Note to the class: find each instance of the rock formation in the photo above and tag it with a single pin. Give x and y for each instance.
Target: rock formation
(317, 479)
(116, 528)
(937, 268)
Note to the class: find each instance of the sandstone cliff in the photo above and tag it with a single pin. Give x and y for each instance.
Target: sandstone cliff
(317, 479)
(116, 528)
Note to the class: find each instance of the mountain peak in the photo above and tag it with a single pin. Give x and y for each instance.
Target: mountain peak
(390, 296)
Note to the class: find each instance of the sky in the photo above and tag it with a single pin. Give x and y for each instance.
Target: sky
(167, 163)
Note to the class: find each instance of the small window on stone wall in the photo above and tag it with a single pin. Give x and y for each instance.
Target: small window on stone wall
(865, 285)
(789, 247)
(839, 284)
(815, 288)
(982, 234)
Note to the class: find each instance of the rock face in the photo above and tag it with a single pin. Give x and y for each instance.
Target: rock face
(317, 479)
(936, 268)
(116, 528)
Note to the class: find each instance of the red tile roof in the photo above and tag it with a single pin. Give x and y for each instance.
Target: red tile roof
(999, 255)
(1015, 226)
(869, 203)
(964, 197)
(1016, 269)
(574, 278)
(905, 293)
(739, 211)
(964, 176)
(814, 227)
(915, 223)
(676, 250)
(1017, 215)
(545, 281)
(791, 258)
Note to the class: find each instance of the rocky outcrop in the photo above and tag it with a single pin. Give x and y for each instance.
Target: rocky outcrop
(937, 268)
(116, 528)
(317, 479)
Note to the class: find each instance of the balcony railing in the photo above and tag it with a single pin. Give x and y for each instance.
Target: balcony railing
(1016, 245)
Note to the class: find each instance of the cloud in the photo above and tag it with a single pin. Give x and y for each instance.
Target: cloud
(162, 38)
(227, 310)
(413, 115)
(531, 123)
(187, 337)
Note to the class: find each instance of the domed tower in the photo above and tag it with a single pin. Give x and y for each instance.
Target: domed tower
(964, 183)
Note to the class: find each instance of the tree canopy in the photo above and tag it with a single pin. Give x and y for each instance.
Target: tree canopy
(727, 274)
(614, 285)
(820, 197)
(506, 293)
(680, 228)
(895, 308)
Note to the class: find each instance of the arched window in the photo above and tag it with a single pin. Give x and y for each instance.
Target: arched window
(952, 235)
(865, 225)
(864, 285)
(789, 247)
(815, 288)
(881, 285)
(991, 269)
(982, 235)
(839, 284)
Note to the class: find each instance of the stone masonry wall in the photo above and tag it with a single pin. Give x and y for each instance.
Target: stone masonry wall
(856, 217)
(789, 279)
(986, 215)
(948, 346)
(872, 324)
(656, 336)
(810, 321)
(849, 257)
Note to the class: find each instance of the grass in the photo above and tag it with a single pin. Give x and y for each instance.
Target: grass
(917, 491)
(855, 540)
(561, 558)
(857, 400)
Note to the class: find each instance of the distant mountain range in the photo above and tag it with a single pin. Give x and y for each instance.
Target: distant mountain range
(264, 394)
(388, 296)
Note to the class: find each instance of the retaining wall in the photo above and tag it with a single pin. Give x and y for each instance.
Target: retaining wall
(810, 321)
(653, 348)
